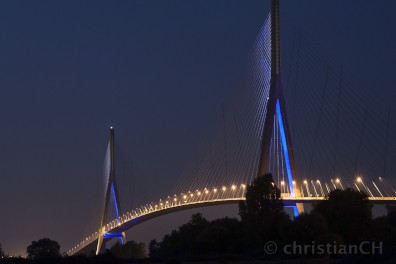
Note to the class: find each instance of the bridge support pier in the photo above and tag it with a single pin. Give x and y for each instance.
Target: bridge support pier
(298, 208)
(121, 236)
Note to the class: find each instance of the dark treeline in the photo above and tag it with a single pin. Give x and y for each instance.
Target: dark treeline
(131, 250)
(46, 251)
(199, 237)
(345, 218)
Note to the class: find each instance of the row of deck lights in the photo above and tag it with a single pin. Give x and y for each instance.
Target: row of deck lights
(334, 182)
(146, 209)
(185, 197)
(337, 182)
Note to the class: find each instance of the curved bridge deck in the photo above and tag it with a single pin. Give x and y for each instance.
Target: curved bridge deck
(190, 200)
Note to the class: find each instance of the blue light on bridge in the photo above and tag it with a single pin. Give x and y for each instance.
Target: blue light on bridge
(295, 210)
(111, 235)
(115, 203)
(116, 235)
(284, 147)
(107, 235)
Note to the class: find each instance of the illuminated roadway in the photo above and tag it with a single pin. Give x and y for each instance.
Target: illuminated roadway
(191, 200)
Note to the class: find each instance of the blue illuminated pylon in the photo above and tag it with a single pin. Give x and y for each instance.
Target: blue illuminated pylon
(284, 147)
(111, 192)
(276, 108)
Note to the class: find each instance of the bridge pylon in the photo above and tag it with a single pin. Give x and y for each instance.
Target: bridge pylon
(276, 110)
(111, 193)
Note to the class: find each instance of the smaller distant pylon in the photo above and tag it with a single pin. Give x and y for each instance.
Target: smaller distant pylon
(111, 191)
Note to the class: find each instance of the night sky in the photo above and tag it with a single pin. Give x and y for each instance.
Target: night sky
(158, 71)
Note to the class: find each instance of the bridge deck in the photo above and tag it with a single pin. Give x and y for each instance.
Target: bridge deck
(136, 217)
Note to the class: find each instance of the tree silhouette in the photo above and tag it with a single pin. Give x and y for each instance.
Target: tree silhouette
(391, 215)
(154, 248)
(347, 213)
(309, 227)
(44, 248)
(2, 255)
(182, 242)
(218, 237)
(131, 249)
(262, 212)
(199, 237)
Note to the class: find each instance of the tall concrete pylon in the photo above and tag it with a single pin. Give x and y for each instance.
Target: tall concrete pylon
(276, 107)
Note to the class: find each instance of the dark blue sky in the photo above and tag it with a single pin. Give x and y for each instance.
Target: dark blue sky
(156, 70)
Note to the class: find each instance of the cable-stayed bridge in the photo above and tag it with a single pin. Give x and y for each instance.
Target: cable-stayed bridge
(315, 136)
